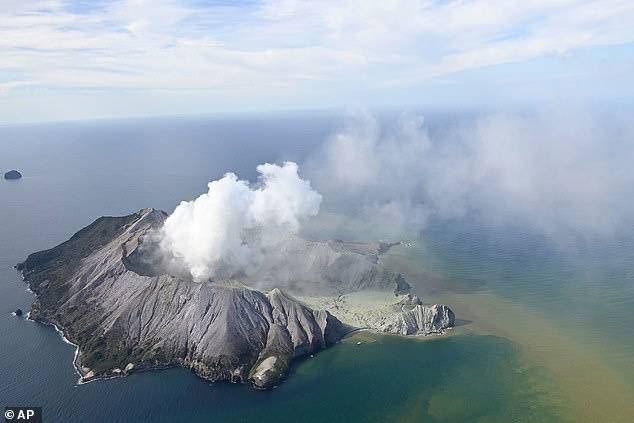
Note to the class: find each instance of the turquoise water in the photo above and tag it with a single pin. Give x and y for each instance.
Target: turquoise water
(540, 325)
(391, 379)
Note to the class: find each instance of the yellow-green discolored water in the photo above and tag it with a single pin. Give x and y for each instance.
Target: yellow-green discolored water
(587, 372)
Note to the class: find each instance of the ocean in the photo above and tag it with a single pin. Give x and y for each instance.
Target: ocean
(544, 332)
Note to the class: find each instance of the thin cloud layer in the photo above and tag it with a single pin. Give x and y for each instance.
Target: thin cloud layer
(280, 53)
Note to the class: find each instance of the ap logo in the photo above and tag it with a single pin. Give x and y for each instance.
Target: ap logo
(23, 414)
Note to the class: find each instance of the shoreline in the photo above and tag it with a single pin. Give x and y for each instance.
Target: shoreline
(370, 309)
(28, 318)
(80, 381)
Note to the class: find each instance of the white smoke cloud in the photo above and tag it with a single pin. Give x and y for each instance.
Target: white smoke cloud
(373, 177)
(564, 174)
(226, 230)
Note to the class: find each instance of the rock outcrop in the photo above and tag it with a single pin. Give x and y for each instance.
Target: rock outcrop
(421, 320)
(12, 174)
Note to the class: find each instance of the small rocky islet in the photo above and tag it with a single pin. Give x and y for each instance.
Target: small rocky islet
(12, 174)
(109, 295)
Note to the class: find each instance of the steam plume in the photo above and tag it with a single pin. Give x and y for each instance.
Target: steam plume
(209, 234)
(564, 174)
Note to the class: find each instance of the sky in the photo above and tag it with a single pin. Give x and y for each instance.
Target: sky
(84, 59)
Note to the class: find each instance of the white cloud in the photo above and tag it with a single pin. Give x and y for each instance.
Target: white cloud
(300, 47)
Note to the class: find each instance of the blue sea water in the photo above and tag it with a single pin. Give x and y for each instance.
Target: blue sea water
(76, 172)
